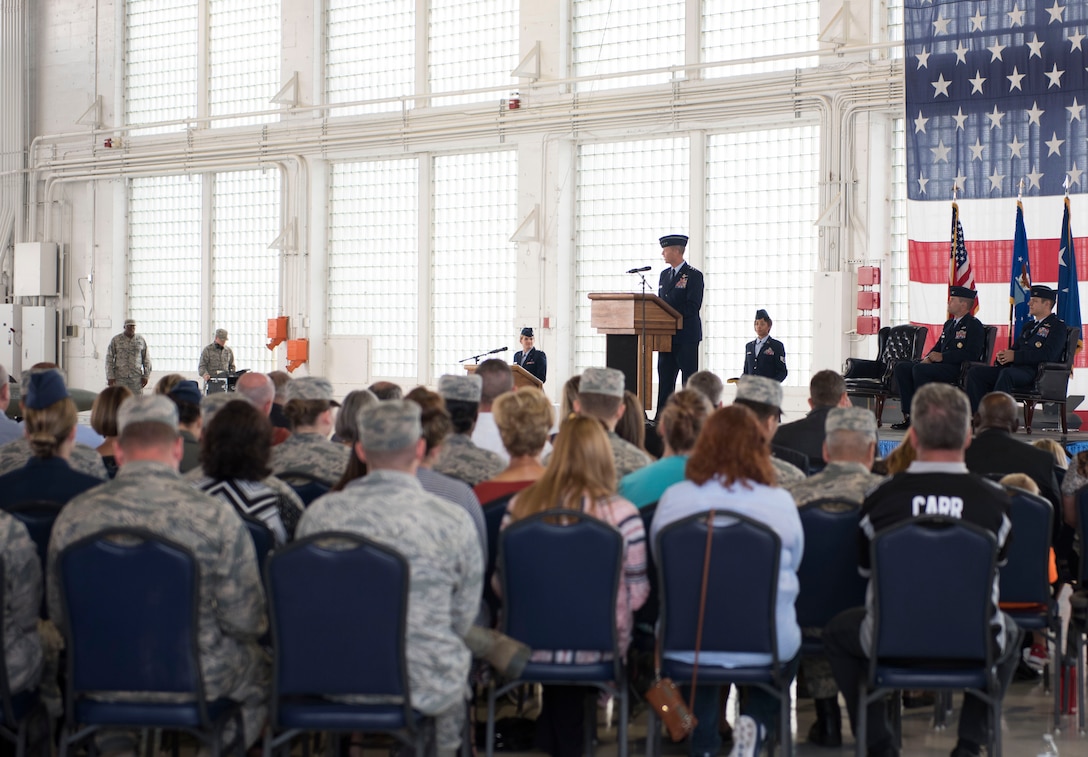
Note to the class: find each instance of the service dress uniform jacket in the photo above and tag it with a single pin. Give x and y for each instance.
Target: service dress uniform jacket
(770, 362)
(536, 362)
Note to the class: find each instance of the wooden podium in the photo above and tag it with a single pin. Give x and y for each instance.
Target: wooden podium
(522, 377)
(635, 326)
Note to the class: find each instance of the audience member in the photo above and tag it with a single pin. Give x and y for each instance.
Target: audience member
(104, 421)
(50, 429)
(440, 544)
(280, 380)
(496, 380)
(524, 419)
(168, 382)
(261, 393)
(709, 384)
(148, 493)
(940, 432)
(459, 456)
(730, 468)
(570, 393)
(1076, 478)
(386, 390)
(186, 395)
(600, 396)
(235, 451)
(9, 429)
(346, 428)
(763, 396)
(898, 460)
(16, 454)
(994, 450)
(631, 427)
(22, 568)
(848, 448)
(581, 476)
(309, 410)
(826, 390)
(437, 427)
(679, 425)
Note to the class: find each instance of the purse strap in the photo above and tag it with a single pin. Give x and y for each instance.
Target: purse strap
(702, 615)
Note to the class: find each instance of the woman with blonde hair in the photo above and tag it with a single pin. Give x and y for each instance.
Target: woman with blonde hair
(730, 469)
(104, 422)
(49, 424)
(524, 419)
(582, 476)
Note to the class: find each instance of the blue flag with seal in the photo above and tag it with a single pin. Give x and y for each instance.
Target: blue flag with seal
(1020, 279)
(1068, 290)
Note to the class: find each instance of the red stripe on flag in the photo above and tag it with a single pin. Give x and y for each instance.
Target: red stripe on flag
(1000, 343)
(991, 260)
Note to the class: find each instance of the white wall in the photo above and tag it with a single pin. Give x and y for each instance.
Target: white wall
(77, 57)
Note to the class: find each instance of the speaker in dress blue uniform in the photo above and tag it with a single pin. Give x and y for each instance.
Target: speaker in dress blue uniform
(681, 286)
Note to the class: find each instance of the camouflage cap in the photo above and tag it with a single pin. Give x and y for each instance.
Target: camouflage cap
(221, 334)
(311, 388)
(390, 426)
(130, 321)
(851, 419)
(148, 408)
(760, 389)
(216, 401)
(467, 388)
(607, 381)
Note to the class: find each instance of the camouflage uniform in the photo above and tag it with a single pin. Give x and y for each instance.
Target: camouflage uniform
(16, 454)
(463, 460)
(22, 603)
(627, 457)
(841, 480)
(439, 542)
(786, 474)
(214, 359)
(311, 453)
(128, 362)
(231, 615)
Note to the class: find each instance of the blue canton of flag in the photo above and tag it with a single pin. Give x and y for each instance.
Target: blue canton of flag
(1020, 279)
(996, 92)
(1068, 290)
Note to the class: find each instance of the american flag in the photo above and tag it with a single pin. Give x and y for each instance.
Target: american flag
(960, 273)
(996, 105)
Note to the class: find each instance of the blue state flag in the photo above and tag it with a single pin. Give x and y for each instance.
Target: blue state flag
(1020, 279)
(1068, 289)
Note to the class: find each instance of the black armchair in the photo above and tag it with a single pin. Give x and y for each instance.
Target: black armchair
(1051, 383)
(987, 356)
(876, 378)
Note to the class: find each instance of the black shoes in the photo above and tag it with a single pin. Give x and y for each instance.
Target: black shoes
(902, 425)
(827, 730)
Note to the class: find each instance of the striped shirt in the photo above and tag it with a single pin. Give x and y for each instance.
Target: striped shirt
(251, 498)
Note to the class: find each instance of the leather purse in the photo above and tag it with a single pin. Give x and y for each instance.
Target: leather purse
(663, 696)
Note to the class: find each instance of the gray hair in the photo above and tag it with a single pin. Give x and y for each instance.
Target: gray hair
(941, 417)
(708, 384)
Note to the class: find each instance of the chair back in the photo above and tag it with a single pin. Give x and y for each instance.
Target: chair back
(338, 606)
(1024, 575)
(38, 516)
(1053, 379)
(905, 342)
(933, 569)
(989, 341)
(570, 603)
(130, 601)
(493, 515)
(306, 485)
(739, 614)
(263, 539)
(828, 576)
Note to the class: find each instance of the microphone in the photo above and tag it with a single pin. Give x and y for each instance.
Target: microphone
(500, 349)
(640, 270)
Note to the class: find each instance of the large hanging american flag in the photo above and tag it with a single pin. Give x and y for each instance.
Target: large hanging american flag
(996, 104)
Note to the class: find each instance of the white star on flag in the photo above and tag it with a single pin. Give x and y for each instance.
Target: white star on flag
(1055, 145)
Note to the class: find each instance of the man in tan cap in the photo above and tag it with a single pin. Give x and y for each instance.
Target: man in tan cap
(440, 544)
(217, 359)
(460, 457)
(763, 396)
(149, 493)
(307, 450)
(128, 362)
(600, 396)
(849, 446)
